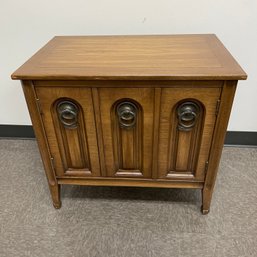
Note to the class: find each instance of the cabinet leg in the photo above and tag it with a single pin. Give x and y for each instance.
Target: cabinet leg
(206, 201)
(56, 195)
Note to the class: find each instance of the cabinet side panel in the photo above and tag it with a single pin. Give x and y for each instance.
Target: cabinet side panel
(30, 96)
(226, 102)
(31, 99)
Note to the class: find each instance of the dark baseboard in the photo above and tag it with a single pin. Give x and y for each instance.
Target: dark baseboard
(241, 138)
(232, 138)
(19, 131)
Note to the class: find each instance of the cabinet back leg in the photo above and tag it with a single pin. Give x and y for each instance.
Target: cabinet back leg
(206, 200)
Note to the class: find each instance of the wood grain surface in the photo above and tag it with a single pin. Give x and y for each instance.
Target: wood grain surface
(128, 152)
(183, 154)
(162, 57)
(75, 151)
(144, 111)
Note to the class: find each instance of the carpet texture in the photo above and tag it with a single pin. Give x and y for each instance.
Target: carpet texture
(109, 221)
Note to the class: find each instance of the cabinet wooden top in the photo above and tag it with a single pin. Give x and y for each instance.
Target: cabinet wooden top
(162, 57)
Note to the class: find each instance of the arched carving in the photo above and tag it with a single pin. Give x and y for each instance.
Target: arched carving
(187, 119)
(71, 135)
(127, 133)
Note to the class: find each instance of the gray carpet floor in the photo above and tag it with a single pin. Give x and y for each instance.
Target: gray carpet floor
(112, 221)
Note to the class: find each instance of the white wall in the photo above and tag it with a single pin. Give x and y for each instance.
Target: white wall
(27, 25)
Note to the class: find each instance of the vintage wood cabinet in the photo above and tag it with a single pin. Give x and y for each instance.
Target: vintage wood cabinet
(148, 111)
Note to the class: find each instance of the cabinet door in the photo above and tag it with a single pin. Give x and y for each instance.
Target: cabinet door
(69, 123)
(187, 122)
(127, 127)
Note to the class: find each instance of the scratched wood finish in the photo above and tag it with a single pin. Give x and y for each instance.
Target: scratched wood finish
(75, 151)
(168, 57)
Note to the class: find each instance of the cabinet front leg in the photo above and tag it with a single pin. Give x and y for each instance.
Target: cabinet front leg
(55, 191)
(35, 114)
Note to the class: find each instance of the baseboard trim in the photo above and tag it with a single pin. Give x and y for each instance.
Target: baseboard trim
(240, 138)
(16, 131)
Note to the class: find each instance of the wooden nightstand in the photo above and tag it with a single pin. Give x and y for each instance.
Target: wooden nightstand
(146, 111)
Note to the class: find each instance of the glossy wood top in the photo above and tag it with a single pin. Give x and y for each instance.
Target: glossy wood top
(162, 57)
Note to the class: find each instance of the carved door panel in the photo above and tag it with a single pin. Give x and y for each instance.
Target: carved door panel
(187, 122)
(69, 123)
(127, 127)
